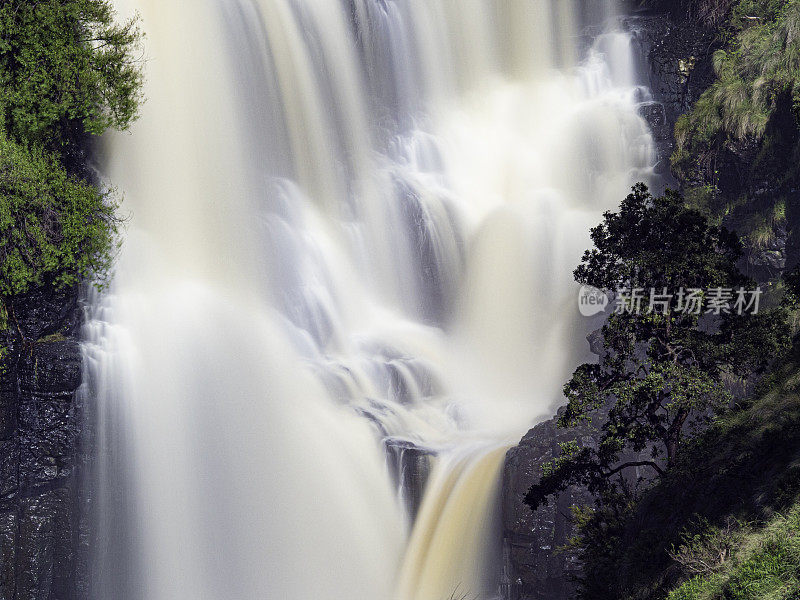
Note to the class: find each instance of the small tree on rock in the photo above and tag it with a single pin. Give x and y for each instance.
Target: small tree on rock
(686, 323)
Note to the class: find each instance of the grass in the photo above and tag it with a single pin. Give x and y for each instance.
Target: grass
(746, 468)
(766, 566)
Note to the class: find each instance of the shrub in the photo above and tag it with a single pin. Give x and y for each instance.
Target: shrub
(766, 565)
(67, 71)
(707, 549)
(54, 228)
(66, 68)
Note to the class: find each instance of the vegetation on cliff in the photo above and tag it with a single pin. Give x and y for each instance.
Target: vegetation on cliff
(66, 69)
(738, 149)
(54, 228)
(712, 526)
(724, 523)
(720, 521)
(688, 323)
(736, 563)
(717, 518)
(757, 70)
(67, 72)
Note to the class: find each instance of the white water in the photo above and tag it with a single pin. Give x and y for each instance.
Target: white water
(353, 227)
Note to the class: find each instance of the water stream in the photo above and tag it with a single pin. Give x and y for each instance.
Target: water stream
(345, 288)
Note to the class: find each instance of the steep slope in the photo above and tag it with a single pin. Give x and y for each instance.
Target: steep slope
(745, 469)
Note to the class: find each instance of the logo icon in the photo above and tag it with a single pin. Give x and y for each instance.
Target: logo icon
(591, 301)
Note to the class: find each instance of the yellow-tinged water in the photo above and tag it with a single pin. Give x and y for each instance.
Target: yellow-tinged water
(352, 224)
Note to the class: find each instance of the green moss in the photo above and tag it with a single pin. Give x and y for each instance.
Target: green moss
(701, 197)
(52, 338)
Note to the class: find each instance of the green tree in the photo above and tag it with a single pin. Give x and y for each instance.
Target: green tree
(66, 68)
(54, 228)
(665, 366)
(68, 71)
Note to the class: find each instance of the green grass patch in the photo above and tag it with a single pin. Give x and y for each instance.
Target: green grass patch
(744, 469)
(766, 566)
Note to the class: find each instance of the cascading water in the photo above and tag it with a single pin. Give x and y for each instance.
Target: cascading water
(345, 287)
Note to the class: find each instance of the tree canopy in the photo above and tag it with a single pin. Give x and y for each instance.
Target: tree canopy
(668, 352)
(66, 68)
(68, 71)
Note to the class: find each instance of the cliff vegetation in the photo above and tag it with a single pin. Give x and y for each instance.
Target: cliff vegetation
(68, 72)
(718, 516)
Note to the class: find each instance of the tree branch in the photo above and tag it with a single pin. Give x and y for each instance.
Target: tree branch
(643, 463)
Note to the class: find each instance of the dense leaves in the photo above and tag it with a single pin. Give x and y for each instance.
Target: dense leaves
(66, 68)
(67, 71)
(53, 228)
(665, 367)
(728, 481)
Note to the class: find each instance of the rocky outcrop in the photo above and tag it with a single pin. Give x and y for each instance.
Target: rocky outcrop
(537, 566)
(410, 466)
(676, 52)
(40, 457)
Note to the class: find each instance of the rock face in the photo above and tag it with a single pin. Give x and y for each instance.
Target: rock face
(410, 466)
(536, 566)
(40, 458)
(676, 52)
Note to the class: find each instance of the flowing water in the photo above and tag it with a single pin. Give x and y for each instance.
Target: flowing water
(345, 288)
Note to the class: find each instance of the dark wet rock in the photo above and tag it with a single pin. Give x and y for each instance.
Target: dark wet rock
(410, 466)
(676, 55)
(45, 312)
(675, 52)
(538, 564)
(596, 340)
(767, 261)
(534, 565)
(40, 425)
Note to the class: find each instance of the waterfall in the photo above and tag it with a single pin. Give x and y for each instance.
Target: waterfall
(345, 288)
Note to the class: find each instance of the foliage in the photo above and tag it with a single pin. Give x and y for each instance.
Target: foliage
(791, 280)
(766, 564)
(67, 71)
(712, 12)
(54, 228)
(742, 471)
(664, 367)
(759, 66)
(741, 139)
(704, 549)
(66, 68)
